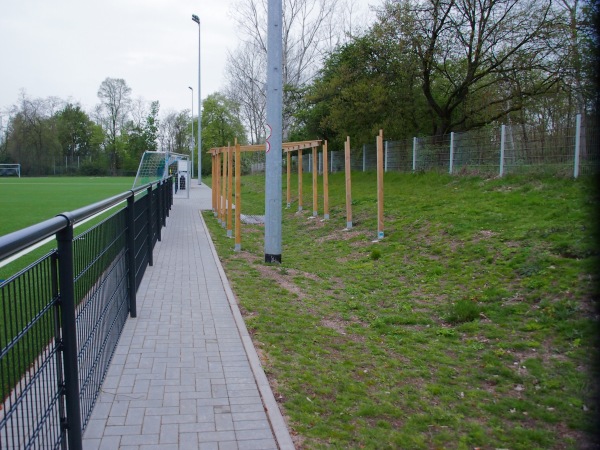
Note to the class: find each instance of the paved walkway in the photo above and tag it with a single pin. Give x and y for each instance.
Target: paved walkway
(185, 374)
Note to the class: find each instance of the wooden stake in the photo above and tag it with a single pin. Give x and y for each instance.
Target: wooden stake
(325, 183)
(214, 180)
(315, 182)
(380, 185)
(299, 180)
(230, 192)
(289, 179)
(238, 198)
(348, 185)
(224, 189)
(217, 188)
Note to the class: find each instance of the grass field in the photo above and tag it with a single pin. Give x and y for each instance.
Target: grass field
(27, 201)
(471, 325)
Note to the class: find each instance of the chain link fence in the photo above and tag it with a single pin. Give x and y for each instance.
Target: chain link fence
(491, 150)
(508, 149)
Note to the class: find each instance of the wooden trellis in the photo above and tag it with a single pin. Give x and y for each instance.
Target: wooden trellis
(222, 176)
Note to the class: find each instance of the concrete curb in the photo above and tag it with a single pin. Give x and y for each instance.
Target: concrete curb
(278, 425)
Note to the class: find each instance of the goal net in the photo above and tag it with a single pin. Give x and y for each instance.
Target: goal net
(7, 170)
(156, 166)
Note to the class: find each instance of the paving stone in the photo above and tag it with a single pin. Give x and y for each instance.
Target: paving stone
(180, 377)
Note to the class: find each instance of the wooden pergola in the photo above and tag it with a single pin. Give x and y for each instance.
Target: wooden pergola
(223, 180)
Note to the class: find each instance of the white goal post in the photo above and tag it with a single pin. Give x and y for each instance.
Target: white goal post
(10, 169)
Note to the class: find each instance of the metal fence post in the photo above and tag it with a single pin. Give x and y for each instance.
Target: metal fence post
(364, 157)
(414, 161)
(149, 237)
(502, 142)
(130, 245)
(158, 212)
(64, 240)
(577, 145)
(385, 169)
(163, 186)
(451, 152)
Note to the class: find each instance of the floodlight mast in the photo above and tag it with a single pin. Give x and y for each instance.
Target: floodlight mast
(196, 19)
(192, 139)
(274, 124)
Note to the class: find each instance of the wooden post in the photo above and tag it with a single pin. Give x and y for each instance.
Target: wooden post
(289, 179)
(348, 185)
(214, 179)
(315, 174)
(230, 191)
(217, 188)
(300, 180)
(238, 198)
(325, 183)
(380, 185)
(224, 188)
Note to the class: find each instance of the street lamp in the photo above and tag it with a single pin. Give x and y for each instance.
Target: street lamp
(196, 19)
(192, 140)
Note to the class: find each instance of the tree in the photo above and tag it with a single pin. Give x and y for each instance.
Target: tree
(367, 84)
(141, 135)
(78, 135)
(478, 60)
(244, 74)
(114, 95)
(221, 125)
(308, 32)
(32, 135)
(174, 134)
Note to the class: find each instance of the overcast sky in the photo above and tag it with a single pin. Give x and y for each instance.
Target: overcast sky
(66, 48)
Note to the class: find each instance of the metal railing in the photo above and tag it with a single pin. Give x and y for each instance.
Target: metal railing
(61, 317)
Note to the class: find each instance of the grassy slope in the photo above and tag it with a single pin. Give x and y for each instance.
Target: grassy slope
(469, 325)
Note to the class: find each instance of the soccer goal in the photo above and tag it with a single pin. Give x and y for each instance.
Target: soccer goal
(7, 170)
(156, 166)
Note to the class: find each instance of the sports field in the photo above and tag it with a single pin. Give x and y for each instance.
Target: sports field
(26, 201)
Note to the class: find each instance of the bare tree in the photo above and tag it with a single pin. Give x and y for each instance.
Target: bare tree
(311, 29)
(173, 134)
(115, 101)
(245, 86)
(479, 59)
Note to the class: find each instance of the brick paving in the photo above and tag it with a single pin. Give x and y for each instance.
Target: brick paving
(185, 374)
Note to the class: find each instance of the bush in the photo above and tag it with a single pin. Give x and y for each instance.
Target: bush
(462, 311)
(92, 169)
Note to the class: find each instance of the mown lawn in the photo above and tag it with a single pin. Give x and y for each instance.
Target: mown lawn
(26, 201)
(470, 325)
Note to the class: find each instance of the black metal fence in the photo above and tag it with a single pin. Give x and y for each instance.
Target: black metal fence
(61, 317)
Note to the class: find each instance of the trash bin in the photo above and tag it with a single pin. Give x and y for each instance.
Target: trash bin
(182, 182)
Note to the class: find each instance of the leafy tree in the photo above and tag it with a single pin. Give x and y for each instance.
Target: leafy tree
(221, 125)
(367, 84)
(77, 134)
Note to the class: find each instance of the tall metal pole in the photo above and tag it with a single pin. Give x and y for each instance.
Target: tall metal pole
(196, 19)
(274, 124)
(192, 140)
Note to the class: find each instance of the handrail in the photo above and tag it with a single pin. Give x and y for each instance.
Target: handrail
(16, 241)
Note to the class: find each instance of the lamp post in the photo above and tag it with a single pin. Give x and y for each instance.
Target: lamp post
(192, 140)
(196, 19)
